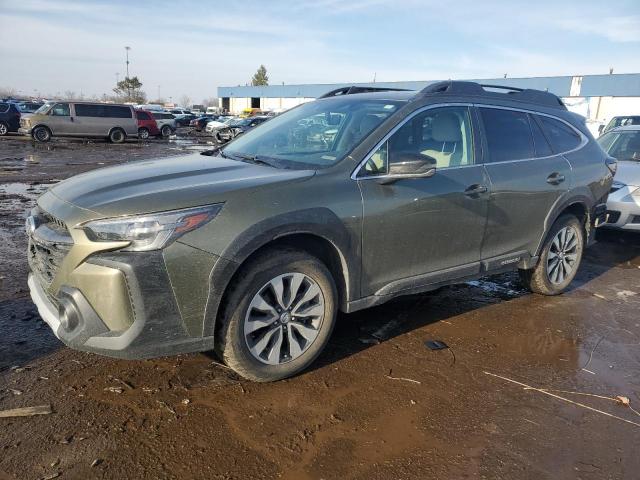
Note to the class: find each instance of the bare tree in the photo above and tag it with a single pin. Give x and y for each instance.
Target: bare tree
(185, 101)
(8, 92)
(210, 102)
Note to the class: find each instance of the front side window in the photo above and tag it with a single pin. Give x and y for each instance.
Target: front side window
(561, 136)
(60, 110)
(314, 135)
(508, 134)
(443, 134)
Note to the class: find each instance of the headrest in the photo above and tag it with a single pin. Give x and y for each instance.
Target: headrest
(368, 123)
(446, 128)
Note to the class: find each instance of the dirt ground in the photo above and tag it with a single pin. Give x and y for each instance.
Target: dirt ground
(507, 400)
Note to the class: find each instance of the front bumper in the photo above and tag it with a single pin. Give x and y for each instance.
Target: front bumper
(24, 130)
(158, 327)
(623, 210)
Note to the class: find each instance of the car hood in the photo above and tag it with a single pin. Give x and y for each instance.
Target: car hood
(628, 173)
(167, 184)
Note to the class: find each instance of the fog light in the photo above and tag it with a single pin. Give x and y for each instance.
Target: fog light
(67, 314)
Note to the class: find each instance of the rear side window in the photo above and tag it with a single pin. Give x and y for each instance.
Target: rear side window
(102, 111)
(143, 115)
(85, 110)
(117, 111)
(4, 107)
(540, 142)
(562, 137)
(508, 134)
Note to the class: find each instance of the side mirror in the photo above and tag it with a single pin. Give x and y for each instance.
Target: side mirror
(409, 165)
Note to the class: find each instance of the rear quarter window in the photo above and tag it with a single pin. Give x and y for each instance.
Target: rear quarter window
(508, 134)
(561, 136)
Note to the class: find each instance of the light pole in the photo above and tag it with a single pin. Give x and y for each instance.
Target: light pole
(127, 77)
(127, 50)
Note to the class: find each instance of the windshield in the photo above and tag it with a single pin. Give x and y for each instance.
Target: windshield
(28, 107)
(624, 146)
(44, 109)
(316, 134)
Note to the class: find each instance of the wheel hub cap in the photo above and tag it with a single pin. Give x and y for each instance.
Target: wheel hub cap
(563, 255)
(284, 318)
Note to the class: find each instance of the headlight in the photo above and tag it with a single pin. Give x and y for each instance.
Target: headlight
(150, 232)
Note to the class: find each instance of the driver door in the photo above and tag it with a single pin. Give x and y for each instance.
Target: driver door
(61, 121)
(420, 231)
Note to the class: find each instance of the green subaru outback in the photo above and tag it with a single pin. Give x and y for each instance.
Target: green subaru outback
(336, 205)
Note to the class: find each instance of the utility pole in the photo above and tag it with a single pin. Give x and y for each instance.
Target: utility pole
(117, 78)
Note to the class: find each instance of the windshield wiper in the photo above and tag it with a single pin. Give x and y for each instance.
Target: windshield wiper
(254, 159)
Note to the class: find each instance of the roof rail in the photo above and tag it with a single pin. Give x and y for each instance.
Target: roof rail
(350, 90)
(526, 95)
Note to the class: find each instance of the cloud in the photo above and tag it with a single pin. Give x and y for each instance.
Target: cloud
(616, 29)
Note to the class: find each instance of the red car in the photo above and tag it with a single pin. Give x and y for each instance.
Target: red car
(147, 125)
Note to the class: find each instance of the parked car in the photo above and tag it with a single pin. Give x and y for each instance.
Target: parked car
(147, 125)
(620, 121)
(213, 110)
(28, 107)
(166, 122)
(238, 127)
(185, 120)
(252, 249)
(9, 118)
(623, 205)
(198, 109)
(81, 119)
(219, 123)
(200, 122)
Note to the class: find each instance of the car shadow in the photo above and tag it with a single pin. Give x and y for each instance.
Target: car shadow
(359, 331)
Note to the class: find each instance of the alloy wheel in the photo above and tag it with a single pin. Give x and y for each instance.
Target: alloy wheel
(284, 318)
(563, 255)
(3, 129)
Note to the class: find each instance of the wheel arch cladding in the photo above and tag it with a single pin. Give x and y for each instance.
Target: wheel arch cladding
(318, 232)
(577, 206)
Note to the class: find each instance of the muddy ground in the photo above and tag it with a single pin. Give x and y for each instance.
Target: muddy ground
(377, 405)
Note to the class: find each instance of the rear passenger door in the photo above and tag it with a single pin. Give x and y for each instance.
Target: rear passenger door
(527, 179)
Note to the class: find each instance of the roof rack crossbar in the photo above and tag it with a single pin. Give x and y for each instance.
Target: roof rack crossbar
(350, 90)
(526, 95)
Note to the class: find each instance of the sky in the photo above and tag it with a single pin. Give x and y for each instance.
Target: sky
(190, 48)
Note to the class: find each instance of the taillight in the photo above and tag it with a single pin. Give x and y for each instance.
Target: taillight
(612, 165)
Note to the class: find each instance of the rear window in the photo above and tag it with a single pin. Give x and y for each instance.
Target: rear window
(508, 134)
(4, 107)
(102, 111)
(143, 115)
(561, 136)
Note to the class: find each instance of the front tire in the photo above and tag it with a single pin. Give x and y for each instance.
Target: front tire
(278, 316)
(117, 136)
(559, 260)
(41, 134)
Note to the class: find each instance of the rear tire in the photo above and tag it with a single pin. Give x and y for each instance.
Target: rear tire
(143, 133)
(165, 131)
(41, 134)
(559, 260)
(4, 129)
(117, 135)
(265, 336)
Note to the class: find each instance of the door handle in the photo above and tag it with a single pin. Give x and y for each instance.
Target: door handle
(475, 190)
(556, 178)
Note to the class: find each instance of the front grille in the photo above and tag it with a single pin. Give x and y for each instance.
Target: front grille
(48, 246)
